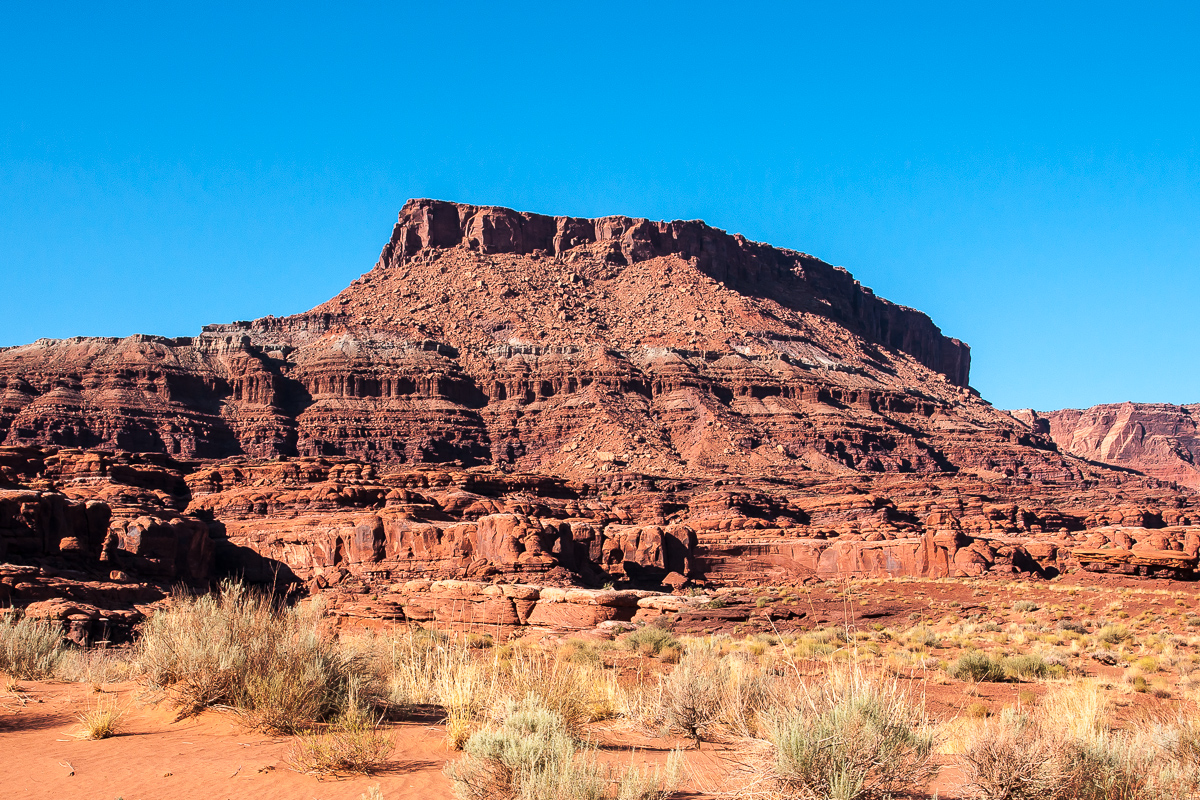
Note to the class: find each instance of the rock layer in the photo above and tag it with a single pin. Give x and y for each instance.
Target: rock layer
(553, 401)
(1157, 439)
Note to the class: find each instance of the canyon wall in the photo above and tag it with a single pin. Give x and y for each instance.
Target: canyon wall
(1157, 439)
(552, 401)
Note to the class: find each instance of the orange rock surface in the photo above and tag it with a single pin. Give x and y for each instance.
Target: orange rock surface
(548, 401)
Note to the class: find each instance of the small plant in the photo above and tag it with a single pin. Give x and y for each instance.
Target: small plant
(1025, 606)
(1147, 664)
(101, 722)
(529, 755)
(353, 745)
(1025, 667)
(977, 711)
(1113, 634)
(922, 637)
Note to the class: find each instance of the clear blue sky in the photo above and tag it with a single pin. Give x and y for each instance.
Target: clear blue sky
(1027, 174)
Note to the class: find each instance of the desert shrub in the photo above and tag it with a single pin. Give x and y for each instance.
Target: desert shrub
(856, 737)
(94, 666)
(530, 755)
(424, 668)
(921, 636)
(1025, 606)
(747, 694)
(806, 649)
(1066, 752)
(240, 648)
(1009, 760)
(579, 651)
(650, 640)
(691, 695)
(30, 648)
(578, 693)
(1113, 634)
(976, 666)
(977, 711)
(1106, 767)
(100, 722)
(1025, 667)
(1147, 664)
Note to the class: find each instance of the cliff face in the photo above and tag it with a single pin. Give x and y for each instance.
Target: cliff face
(488, 336)
(798, 281)
(509, 395)
(1157, 439)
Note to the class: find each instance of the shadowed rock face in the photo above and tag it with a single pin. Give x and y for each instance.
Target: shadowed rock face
(553, 400)
(1157, 439)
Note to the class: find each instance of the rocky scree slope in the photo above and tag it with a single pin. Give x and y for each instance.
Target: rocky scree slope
(510, 396)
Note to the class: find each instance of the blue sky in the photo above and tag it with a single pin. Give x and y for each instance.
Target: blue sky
(1027, 174)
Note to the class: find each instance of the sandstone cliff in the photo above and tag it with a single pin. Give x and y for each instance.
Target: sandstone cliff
(550, 400)
(1153, 438)
(488, 336)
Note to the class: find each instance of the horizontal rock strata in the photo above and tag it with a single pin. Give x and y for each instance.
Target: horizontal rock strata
(543, 401)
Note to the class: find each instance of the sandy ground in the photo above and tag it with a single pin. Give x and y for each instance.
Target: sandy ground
(209, 756)
(213, 756)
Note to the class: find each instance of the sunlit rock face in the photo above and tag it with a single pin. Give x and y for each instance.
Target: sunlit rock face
(517, 397)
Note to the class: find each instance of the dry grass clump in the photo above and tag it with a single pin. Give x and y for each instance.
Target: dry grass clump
(30, 649)
(1007, 762)
(92, 666)
(529, 755)
(708, 693)
(354, 744)
(857, 736)
(978, 667)
(1066, 751)
(243, 649)
(421, 667)
(101, 722)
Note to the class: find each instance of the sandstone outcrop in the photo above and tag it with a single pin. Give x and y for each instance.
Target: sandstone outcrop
(1157, 439)
(550, 402)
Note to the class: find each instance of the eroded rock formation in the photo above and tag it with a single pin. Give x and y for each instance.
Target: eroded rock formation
(1157, 439)
(548, 401)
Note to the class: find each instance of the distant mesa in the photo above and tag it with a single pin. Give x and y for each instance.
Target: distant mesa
(555, 401)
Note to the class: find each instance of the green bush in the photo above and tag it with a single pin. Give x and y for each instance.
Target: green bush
(30, 649)
(650, 640)
(978, 667)
(1113, 634)
(858, 738)
(1025, 667)
(530, 755)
